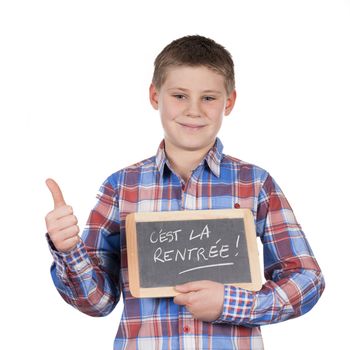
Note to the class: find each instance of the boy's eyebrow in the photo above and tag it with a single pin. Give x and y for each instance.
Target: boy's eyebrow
(204, 91)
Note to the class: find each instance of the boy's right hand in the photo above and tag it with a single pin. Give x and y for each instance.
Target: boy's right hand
(61, 223)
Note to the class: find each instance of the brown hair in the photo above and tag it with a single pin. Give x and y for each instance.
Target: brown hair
(195, 50)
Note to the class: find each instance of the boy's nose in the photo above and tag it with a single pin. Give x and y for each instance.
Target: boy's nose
(193, 109)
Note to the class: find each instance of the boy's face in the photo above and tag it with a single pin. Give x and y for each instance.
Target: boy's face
(192, 102)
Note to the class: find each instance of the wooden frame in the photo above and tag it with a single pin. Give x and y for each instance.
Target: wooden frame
(132, 247)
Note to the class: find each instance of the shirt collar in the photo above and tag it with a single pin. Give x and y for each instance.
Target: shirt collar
(213, 157)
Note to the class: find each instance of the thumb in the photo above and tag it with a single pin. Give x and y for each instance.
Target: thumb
(56, 192)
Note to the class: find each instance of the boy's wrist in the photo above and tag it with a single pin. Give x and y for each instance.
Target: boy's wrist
(238, 305)
(76, 260)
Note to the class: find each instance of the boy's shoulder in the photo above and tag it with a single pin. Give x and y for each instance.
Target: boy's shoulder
(143, 166)
(242, 167)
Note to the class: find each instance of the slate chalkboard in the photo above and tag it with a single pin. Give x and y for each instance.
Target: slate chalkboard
(169, 248)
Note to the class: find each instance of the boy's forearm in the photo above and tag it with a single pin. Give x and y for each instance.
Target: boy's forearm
(88, 276)
(291, 296)
(294, 279)
(84, 285)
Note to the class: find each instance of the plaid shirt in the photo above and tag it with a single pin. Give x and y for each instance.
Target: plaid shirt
(94, 275)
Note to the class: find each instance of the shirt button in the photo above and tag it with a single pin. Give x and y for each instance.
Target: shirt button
(237, 206)
(187, 329)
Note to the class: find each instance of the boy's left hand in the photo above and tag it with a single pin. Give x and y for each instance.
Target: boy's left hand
(203, 299)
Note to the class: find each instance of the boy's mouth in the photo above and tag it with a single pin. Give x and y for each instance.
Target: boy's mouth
(192, 126)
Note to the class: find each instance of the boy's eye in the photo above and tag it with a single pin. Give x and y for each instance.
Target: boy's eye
(208, 98)
(179, 96)
(182, 97)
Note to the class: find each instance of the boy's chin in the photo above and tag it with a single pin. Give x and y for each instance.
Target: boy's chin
(192, 145)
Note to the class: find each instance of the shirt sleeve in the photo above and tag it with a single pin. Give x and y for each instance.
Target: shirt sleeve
(87, 277)
(294, 281)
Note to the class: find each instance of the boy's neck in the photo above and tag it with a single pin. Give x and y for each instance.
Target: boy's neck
(183, 161)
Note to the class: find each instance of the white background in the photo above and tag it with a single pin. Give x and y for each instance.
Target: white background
(74, 79)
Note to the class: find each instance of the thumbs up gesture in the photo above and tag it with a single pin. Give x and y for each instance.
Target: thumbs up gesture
(61, 223)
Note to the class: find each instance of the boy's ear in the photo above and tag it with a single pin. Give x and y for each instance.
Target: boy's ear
(230, 102)
(153, 96)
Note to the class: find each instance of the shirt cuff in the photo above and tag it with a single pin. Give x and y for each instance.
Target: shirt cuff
(238, 304)
(76, 260)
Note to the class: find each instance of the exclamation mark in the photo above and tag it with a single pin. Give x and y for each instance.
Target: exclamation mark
(237, 241)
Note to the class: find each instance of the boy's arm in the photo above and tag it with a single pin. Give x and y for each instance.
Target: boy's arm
(87, 275)
(294, 279)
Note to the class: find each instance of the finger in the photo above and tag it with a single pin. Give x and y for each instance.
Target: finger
(56, 192)
(191, 286)
(181, 299)
(68, 244)
(60, 212)
(67, 233)
(66, 222)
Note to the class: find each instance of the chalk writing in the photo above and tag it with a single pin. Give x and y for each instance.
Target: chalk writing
(187, 250)
(204, 267)
(199, 254)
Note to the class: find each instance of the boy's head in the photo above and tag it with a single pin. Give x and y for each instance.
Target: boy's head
(194, 51)
(193, 89)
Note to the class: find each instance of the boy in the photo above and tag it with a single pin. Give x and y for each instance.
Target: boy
(193, 87)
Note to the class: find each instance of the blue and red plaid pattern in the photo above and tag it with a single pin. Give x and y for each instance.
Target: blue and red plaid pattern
(94, 275)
